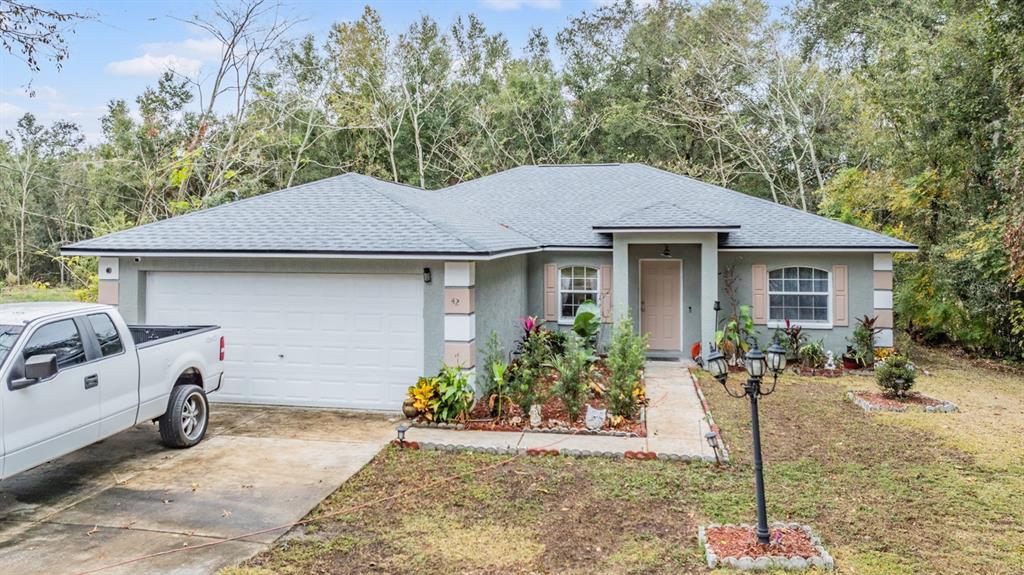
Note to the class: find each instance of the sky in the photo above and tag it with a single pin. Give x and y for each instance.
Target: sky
(127, 45)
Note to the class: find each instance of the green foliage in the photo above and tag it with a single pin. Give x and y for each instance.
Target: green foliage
(587, 323)
(493, 355)
(895, 375)
(454, 394)
(735, 338)
(791, 338)
(813, 354)
(573, 367)
(863, 340)
(626, 356)
(499, 399)
(533, 355)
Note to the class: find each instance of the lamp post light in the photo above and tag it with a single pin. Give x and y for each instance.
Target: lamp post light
(756, 363)
(400, 430)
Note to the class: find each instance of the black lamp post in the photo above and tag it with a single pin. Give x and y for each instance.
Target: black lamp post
(757, 364)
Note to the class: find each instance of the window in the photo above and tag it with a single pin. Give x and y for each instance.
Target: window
(8, 335)
(798, 294)
(106, 334)
(576, 284)
(60, 338)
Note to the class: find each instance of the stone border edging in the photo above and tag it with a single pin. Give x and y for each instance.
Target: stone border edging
(540, 451)
(943, 407)
(707, 415)
(746, 563)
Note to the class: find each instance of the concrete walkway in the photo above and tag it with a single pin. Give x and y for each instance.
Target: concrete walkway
(675, 426)
(127, 496)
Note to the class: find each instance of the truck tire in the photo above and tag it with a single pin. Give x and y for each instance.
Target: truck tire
(188, 414)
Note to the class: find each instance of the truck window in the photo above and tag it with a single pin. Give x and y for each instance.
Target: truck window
(106, 334)
(60, 338)
(8, 335)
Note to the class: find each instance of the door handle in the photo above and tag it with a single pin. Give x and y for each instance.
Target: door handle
(92, 381)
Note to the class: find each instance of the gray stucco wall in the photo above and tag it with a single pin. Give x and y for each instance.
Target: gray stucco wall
(132, 285)
(501, 300)
(860, 285)
(535, 288)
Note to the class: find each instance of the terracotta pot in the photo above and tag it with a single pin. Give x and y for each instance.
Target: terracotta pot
(409, 409)
(850, 363)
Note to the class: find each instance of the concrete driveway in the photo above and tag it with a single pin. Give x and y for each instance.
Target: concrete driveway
(128, 496)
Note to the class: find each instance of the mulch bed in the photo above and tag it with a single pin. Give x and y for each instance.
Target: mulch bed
(737, 541)
(878, 401)
(553, 412)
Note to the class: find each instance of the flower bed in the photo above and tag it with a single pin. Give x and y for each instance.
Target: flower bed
(793, 546)
(878, 401)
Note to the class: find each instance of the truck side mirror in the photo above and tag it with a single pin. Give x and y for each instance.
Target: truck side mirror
(42, 366)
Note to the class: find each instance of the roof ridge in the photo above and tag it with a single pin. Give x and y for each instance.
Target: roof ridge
(772, 203)
(416, 212)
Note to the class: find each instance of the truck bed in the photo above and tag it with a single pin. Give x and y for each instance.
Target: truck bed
(150, 335)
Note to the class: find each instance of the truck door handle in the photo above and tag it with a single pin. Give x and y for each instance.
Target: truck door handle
(92, 381)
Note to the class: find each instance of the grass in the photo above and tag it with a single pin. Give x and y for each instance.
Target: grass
(38, 292)
(889, 493)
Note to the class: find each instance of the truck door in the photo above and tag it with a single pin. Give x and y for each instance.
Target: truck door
(118, 374)
(47, 417)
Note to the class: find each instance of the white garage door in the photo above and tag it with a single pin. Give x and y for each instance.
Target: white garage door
(326, 340)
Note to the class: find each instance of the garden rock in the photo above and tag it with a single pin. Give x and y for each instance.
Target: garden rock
(595, 418)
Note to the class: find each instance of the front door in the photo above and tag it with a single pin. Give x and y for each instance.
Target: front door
(660, 284)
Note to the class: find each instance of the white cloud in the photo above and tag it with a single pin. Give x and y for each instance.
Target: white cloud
(9, 113)
(506, 5)
(185, 57)
(208, 49)
(150, 65)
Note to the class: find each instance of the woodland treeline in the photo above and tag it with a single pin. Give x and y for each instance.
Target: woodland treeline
(905, 117)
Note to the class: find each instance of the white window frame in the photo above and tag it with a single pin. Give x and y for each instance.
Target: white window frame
(596, 291)
(807, 324)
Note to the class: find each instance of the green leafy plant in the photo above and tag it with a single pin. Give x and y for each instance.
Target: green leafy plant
(791, 338)
(499, 398)
(424, 396)
(735, 338)
(863, 341)
(587, 323)
(533, 354)
(493, 354)
(454, 394)
(895, 375)
(573, 367)
(626, 356)
(813, 354)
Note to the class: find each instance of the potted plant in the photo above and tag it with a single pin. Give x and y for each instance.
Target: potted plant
(849, 360)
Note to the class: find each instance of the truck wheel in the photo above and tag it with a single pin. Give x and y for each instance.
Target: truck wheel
(188, 414)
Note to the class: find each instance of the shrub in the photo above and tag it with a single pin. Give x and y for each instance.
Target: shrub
(454, 394)
(587, 323)
(735, 338)
(533, 354)
(444, 397)
(626, 357)
(863, 340)
(791, 338)
(573, 367)
(493, 355)
(813, 354)
(895, 375)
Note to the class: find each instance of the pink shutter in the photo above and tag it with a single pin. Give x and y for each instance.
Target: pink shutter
(759, 280)
(550, 292)
(840, 296)
(606, 294)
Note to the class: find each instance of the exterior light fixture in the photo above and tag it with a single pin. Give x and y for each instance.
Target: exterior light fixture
(427, 276)
(666, 253)
(712, 439)
(756, 363)
(401, 429)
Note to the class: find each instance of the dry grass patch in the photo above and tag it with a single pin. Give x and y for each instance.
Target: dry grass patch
(445, 541)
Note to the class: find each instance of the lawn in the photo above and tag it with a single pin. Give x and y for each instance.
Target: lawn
(889, 493)
(39, 292)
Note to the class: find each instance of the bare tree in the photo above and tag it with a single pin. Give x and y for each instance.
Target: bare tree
(33, 30)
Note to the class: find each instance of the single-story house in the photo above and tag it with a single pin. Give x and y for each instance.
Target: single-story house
(341, 292)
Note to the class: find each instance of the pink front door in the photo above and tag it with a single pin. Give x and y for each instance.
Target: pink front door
(660, 284)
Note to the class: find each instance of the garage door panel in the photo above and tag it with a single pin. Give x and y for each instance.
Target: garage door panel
(326, 340)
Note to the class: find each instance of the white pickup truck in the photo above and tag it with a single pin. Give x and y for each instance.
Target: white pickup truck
(72, 374)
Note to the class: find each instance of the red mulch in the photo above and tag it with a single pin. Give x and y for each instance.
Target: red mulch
(879, 399)
(729, 541)
(552, 411)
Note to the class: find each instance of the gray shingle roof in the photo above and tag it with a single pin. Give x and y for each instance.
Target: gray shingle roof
(522, 208)
(663, 215)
